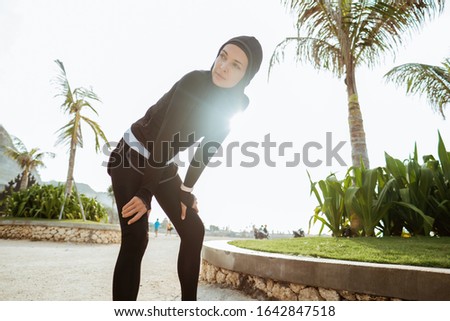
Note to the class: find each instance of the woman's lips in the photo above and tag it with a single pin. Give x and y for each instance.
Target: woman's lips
(219, 75)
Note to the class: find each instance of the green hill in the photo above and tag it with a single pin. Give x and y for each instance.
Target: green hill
(8, 168)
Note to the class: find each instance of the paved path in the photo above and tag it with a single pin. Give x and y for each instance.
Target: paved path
(51, 271)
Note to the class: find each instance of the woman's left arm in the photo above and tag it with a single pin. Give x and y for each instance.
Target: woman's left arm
(208, 148)
(200, 160)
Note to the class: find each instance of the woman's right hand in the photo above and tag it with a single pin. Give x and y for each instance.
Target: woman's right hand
(134, 207)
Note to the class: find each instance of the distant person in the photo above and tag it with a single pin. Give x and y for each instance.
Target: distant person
(157, 224)
(169, 228)
(259, 233)
(199, 106)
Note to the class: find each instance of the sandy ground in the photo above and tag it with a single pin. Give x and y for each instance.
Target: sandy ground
(51, 271)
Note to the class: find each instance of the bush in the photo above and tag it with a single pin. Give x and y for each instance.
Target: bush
(46, 201)
(386, 200)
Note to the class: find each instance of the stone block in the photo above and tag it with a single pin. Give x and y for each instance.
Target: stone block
(233, 278)
(296, 288)
(309, 294)
(220, 277)
(349, 296)
(283, 293)
(329, 294)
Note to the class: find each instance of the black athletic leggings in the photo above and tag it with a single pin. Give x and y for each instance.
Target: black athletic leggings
(126, 179)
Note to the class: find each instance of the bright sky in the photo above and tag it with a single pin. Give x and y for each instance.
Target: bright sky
(131, 52)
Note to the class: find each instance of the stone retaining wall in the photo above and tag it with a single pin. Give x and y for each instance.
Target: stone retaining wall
(289, 277)
(268, 289)
(60, 232)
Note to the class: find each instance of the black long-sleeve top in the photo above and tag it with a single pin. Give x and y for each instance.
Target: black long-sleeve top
(194, 108)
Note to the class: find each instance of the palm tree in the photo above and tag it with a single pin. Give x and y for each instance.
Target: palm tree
(71, 134)
(27, 160)
(433, 81)
(341, 35)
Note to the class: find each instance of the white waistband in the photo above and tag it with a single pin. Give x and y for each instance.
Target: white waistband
(134, 144)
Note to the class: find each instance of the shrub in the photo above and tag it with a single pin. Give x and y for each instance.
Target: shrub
(331, 205)
(46, 202)
(402, 195)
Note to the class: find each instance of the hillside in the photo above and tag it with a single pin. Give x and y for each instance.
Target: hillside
(85, 189)
(9, 168)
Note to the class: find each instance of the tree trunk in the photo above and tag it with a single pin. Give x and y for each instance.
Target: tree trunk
(69, 179)
(355, 122)
(24, 180)
(73, 149)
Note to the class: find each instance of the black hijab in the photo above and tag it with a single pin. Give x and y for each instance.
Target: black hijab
(252, 49)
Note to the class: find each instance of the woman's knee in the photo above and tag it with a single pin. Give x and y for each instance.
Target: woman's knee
(135, 237)
(192, 228)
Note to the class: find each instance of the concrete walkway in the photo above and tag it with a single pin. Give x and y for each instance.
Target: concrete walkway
(51, 271)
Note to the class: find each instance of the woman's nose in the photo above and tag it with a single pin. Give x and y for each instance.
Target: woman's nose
(224, 66)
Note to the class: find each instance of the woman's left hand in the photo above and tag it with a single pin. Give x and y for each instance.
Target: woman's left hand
(184, 209)
(134, 207)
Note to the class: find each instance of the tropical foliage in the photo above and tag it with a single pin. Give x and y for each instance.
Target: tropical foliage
(421, 79)
(46, 201)
(71, 134)
(342, 35)
(331, 203)
(27, 160)
(366, 198)
(403, 195)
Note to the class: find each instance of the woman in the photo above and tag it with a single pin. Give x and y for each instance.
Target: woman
(199, 105)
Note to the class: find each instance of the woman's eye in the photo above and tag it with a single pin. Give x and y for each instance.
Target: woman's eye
(237, 66)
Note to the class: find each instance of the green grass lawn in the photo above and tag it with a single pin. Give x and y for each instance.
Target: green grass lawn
(418, 251)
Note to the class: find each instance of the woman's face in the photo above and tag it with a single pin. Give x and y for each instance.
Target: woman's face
(230, 66)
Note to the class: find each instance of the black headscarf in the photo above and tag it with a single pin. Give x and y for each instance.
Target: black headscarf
(252, 49)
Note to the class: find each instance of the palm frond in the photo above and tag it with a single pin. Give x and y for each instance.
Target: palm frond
(385, 24)
(363, 30)
(17, 152)
(67, 131)
(18, 144)
(38, 158)
(320, 54)
(64, 135)
(85, 103)
(35, 159)
(11, 152)
(84, 93)
(317, 18)
(25, 159)
(38, 155)
(62, 85)
(422, 79)
(97, 132)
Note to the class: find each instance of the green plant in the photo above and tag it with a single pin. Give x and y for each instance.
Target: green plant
(332, 205)
(388, 199)
(439, 197)
(391, 223)
(94, 211)
(46, 201)
(413, 185)
(363, 200)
